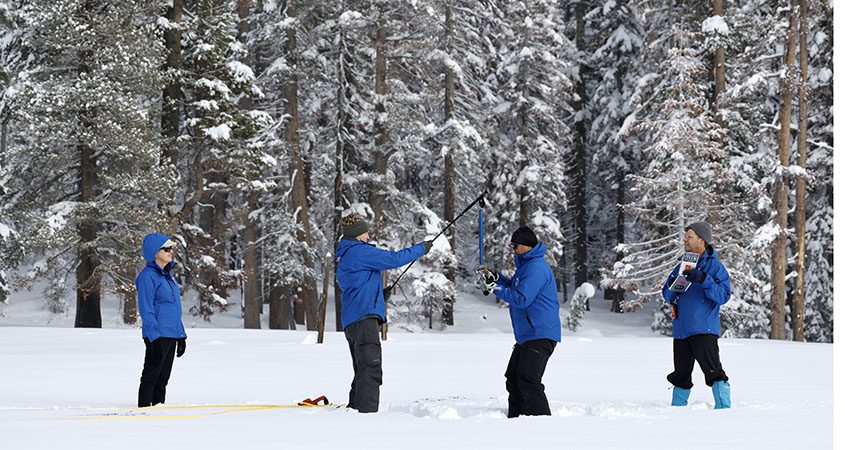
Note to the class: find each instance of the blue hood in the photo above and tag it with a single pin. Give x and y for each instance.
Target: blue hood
(152, 243)
(537, 252)
(532, 296)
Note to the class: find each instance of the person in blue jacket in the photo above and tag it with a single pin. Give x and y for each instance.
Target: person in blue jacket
(696, 326)
(362, 312)
(160, 306)
(534, 309)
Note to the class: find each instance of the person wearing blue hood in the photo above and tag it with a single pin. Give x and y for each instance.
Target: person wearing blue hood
(160, 306)
(695, 325)
(362, 296)
(531, 295)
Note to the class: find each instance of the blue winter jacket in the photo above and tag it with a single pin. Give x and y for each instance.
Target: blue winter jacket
(532, 296)
(159, 301)
(359, 277)
(698, 307)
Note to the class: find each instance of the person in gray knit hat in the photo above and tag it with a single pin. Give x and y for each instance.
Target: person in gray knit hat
(696, 326)
(362, 300)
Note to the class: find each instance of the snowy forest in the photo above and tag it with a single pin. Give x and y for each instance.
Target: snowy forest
(248, 128)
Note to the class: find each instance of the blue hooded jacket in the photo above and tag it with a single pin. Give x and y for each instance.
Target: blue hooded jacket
(159, 301)
(532, 296)
(359, 277)
(698, 307)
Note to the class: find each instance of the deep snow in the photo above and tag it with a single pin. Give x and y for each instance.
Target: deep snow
(606, 385)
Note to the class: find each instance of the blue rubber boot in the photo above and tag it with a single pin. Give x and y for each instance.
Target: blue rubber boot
(722, 394)
(680, 396)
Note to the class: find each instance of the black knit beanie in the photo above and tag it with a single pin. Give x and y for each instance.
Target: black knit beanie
(525, 236)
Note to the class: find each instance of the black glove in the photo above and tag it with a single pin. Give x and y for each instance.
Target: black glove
(427, 246)
(180, 347)
(695, 275)
(387, 293)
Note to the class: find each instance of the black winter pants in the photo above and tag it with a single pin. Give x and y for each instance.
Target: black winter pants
(365, 347)
(703, 348)
(524, 376)
(158, 361)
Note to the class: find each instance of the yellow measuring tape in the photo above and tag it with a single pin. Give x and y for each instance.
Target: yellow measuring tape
(229, 408)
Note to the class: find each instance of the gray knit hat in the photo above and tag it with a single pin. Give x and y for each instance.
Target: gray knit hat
(353, 225)
(703, 230)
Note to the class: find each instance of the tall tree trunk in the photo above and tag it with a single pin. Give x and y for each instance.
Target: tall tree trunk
(172, 94)
(87, 278)
(342, 148)
(780, 199)
(619, 293)
(718, 66)
(382, 136)
(449, 167)
(306, 306)
(579, 180)
(801, 186)
(253, 300)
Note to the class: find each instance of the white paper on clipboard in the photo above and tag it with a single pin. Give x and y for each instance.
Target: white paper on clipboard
(688, 261)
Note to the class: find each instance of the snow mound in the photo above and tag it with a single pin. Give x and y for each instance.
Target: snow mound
(453, 408)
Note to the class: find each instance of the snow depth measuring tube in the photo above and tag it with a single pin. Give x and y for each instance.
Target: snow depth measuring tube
(479, 199)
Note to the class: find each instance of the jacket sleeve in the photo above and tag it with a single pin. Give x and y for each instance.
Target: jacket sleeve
(146, 298)
(378, 259)
(523, 295)
(669, 295)
(717, 284)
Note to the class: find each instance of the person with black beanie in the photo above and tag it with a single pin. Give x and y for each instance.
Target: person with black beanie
(534, 310)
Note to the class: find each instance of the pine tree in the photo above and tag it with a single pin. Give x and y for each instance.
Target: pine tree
(222, 160)
(84, 135)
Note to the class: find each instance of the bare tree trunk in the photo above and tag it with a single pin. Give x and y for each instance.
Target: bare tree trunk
(87, 279)
(306, 306)
(344, 124)
(281, 310)
(130, 307)
(449, 168)
(382, 136)
(172, 94)
(253, 300)
(619, 293)
(4, 131)
(781, 185)
(801, 186)
(579, 179)
(718, 65)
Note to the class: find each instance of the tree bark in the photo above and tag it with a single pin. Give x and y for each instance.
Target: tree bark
(172, 94)
(781, 188)
(87, 279)
(718, 66)
(382, 136)
(253, 300)
(130, 307)
(801, 186)
(449, 167)
(306, 306)
(342, 148)
(619, 293)
(579, 197)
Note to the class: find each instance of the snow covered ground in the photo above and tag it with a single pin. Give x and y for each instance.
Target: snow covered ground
(606, 385)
